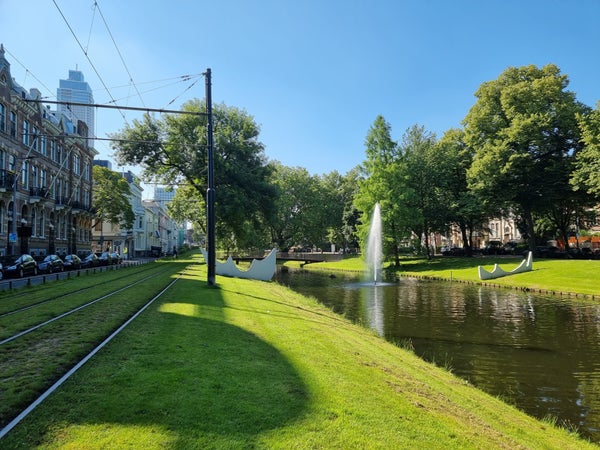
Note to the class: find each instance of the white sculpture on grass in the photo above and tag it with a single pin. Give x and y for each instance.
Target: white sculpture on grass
(260, 269)
(525, 266)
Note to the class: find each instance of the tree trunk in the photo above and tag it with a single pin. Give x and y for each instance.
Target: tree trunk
(466, 239)
(530, 230)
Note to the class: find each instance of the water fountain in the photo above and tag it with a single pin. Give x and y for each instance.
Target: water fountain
(374, 250)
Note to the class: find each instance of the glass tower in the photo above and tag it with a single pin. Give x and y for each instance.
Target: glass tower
(75, 89)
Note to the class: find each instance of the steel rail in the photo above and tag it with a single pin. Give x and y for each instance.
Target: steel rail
(76, 291)
(80, 364)
(67, 313)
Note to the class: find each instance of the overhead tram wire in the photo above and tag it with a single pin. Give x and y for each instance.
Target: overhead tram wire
(130, 108)
(180, 79)
(97, 6)
(30, 72)
(89, 60)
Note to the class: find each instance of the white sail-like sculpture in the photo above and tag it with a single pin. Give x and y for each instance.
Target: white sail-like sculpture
(260, 269)
(525, 266)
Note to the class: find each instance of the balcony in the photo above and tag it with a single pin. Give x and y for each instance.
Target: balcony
(61, 203)
(37, 194)
(79, 207)
(7, 179)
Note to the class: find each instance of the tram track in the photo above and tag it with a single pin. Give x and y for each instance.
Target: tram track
(57, 304)
(39, 357)
(41, 297)
(68, 312)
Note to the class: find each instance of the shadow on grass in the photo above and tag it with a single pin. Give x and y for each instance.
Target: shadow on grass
(179, 373)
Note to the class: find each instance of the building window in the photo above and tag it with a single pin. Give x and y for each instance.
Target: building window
(42, 182)
(34, 143)
(12, 163)
(25, 175)
(2, 118)
(42, 223)
(13, 124)
(76, 164)
(25, 132)
(43, 145)
(53, 150)
(34, 230)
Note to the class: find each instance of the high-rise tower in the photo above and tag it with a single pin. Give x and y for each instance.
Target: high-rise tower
(75, 89)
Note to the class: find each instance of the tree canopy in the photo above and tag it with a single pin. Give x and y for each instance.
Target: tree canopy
(523, 129)
(172, 151)
(111, 198)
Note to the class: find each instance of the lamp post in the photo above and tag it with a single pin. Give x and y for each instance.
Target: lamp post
(51, 249)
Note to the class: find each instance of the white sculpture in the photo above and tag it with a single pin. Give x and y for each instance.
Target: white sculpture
(260, 269)
(525, 266)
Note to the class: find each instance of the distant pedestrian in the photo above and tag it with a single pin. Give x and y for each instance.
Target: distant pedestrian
(175, 252)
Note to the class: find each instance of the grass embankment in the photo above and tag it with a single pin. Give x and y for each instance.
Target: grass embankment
(560, 276)
(249, 364)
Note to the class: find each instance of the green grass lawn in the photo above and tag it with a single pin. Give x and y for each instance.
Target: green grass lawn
(249, 364)
(555, 275)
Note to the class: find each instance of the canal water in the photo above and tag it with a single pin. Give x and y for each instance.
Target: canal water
(538, 352)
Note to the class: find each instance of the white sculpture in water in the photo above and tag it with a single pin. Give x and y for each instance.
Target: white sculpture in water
(525, 266)
(260, 269)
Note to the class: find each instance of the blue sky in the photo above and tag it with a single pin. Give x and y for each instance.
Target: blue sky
(313, 74)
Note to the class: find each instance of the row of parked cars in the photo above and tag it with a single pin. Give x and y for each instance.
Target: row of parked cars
(27, 265)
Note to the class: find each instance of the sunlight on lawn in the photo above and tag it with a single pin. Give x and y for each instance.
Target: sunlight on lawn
(183, 309)
(112, 435)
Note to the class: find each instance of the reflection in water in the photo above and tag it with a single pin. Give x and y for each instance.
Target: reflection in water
(541, 353)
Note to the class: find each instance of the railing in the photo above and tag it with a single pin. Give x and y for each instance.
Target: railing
(7, 179)
(62, 201)
(38, 192)
(81, 206)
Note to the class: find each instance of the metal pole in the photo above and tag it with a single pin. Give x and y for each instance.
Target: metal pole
(14, 213)
(210, 191)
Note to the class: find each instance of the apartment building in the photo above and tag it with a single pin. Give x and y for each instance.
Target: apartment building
(45, 174)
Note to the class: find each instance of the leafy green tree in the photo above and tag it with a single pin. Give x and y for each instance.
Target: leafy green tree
(297, 207)
(522, 128)
(422, 184)
(464, 207)
(379, 184)
(188, 206)
(345, 233)
(110, 198)
(172, 151)
(586, 176)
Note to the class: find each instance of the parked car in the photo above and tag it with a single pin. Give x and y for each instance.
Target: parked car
(116, 258)
(494, 248)
(453, 251)
(105, 259)
(23, 265)
(90, 260)
(51, 263)
(72, 262)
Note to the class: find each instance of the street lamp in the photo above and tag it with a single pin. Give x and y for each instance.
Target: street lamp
(13, 236)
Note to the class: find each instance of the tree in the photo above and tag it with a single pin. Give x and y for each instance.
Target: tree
(297, 208)
(422, 183)
(379, 184)
(586, 176)
(523, 127)
(110, 198)
(464, 207)
(172, 151)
